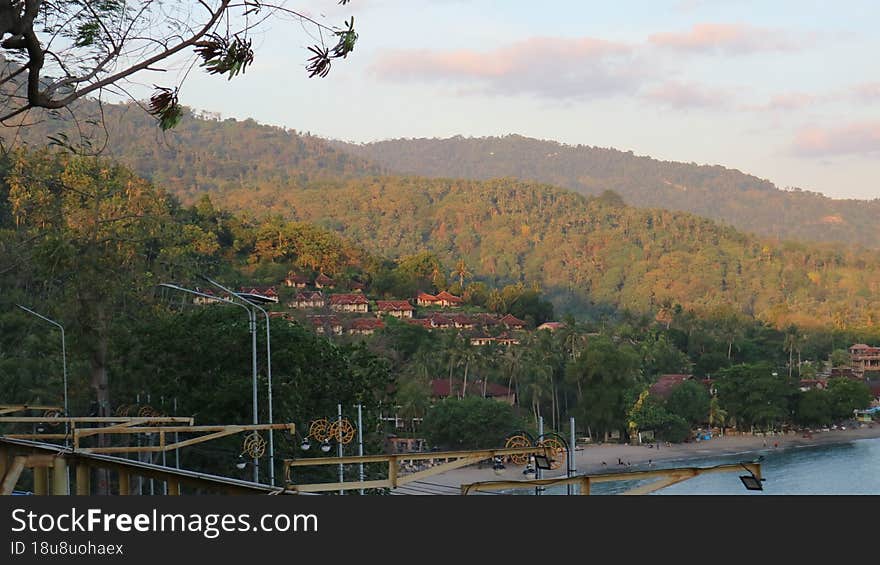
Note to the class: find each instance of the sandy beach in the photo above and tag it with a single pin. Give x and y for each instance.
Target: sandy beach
(604, 458)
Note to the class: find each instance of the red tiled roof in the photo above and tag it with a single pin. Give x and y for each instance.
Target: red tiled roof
(393, 305)
(439, 320)
(440, 389)
(308, 296)
(323, 279)
(260, 290)
(511, 320)
(298, 278)
(664, 385)
(367, 324)
(443, 295)
(321, 320)
(425, 297)
(348, 299)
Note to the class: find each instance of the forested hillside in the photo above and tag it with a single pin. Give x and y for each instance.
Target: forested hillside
(208, 154)
(596, 251)
(204, 153)
(741, 200)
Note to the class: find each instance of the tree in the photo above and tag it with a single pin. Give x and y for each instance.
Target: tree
(814, 408)
(846, 395)
(603, 373)
(840, 358)
(57, 52)
(98, 239)
(753, 396)
(461, 272)
(690, 400)
(469, 423)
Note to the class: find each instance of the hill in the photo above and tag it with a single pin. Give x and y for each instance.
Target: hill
(741, 200)
(594, 252)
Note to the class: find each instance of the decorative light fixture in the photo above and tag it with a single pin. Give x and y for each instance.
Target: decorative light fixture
(325, 446)
(530, 470)
(241, 463)
(542, 462)
(498, 466)
(751, 481)
(305, 445)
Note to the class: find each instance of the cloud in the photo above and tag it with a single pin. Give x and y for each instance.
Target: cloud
(549, 67)
(787, 102)
(685, 96)
(860, 138)
(732, 39)
(868, 92)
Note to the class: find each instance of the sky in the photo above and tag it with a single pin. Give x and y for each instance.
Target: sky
(782, 89)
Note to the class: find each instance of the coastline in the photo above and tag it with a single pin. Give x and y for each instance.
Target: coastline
(590, 458)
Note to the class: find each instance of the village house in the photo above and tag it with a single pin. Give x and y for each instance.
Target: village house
(441, 322)
(480, 340)
(326, 324)
(297, 281)
(864, 358)
(396, 308)
(304, 300)
(812, 384)
(260, 293)
(205, 299)
(440, 389)
(356, 286)
(323, 281)
(506, 339)
(512, 322)
(425, 299)
(463, 322)
(365, 326)
(443, 299)
(349, 303)
(423, 322)
(664, 385)
(446, 299)
(551, 326)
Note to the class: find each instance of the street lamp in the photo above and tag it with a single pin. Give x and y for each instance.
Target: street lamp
(63, 365)
(250, 302)
(252, 324)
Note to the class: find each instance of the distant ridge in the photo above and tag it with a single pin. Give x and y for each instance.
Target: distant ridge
(741, 200)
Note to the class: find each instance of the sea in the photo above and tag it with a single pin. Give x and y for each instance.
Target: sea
(841, 469)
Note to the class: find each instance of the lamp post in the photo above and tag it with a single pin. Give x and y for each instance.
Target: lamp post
(569, 459)
(63, 365)
(252, 324)
(268, 369)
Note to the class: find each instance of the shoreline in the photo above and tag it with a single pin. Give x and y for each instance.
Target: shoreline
(603, 458)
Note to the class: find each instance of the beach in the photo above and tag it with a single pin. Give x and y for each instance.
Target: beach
(606, 458)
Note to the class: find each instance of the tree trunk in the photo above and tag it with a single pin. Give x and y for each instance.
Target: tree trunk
(464, 382)
(102, 397)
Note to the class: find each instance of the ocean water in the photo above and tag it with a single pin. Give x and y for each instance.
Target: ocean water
(843, 469)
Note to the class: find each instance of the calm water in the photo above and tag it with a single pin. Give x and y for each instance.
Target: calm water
(852, 468)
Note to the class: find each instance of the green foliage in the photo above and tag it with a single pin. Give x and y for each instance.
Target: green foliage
(840, 358)
(603, 374)
(690, 400)
(814, 408)
(846, 395)
(749, 203)
(469, 423)
(753, 396)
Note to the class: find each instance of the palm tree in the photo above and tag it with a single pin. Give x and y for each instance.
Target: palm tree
(461, 272)
(790, 344)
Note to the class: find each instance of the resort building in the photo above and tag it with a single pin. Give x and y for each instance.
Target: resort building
(305, 300)
(396, 308)
(349, 303)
